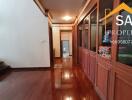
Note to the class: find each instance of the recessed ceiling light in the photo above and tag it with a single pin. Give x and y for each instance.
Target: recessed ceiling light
(67, 18)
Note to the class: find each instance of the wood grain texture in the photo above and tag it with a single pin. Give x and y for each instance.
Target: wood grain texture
(59, 83)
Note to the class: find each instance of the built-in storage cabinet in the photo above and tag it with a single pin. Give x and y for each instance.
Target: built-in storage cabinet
(109, 68)
(87, 52)
(103, 69)
(104, 49)
(125, 37)
(122, 68)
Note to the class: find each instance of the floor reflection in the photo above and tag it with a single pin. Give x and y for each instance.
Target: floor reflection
(70, 83)
(64, 82)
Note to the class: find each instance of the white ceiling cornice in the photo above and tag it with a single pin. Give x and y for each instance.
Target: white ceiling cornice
(40, 6)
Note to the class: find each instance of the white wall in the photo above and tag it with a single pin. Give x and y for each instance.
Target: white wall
(56, 38)
(24, 40)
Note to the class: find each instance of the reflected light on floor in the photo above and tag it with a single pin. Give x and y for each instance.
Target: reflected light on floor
(84, 98)
(68, 98)
(66, 75)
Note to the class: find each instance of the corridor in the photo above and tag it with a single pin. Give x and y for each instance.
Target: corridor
(65, 49)
(63, 82)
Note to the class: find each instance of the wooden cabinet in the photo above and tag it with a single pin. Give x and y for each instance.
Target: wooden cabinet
(92, 64)
(103, 77)
(112, 78)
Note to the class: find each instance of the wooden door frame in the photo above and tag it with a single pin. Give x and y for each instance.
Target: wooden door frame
(62, 46)
(60, 40)
(51, 46)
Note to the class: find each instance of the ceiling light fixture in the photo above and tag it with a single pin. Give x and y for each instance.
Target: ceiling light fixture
(67, 18)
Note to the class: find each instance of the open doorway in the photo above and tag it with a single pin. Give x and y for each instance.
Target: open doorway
(62, 45)
(66, 43)
(65, 48)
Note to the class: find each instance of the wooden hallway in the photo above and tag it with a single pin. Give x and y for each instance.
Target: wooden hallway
(64, 82)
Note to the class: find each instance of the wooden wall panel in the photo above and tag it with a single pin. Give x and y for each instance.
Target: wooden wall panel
(92, 66)
(103, 77)
(122, 82)
(80, 56)
(88, 65)
(102, 80)
(75, 48)
(123, 89)
(85, 62)
(112, 80)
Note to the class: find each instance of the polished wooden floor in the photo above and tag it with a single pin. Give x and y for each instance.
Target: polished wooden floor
(63, 82)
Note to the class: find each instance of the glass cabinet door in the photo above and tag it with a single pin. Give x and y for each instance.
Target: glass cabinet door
(105, 29)
(80, 34)
(125, 37)
(93, 30)
(86, 31)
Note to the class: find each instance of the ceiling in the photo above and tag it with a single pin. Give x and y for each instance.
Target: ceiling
(60, 8)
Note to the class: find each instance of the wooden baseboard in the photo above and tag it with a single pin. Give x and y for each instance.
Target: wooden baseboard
(32, 69)
(57, 58)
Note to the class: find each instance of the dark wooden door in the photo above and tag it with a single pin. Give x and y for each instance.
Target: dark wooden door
(51, 47)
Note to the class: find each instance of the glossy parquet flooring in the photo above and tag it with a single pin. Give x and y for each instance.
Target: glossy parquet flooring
(63, 82)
